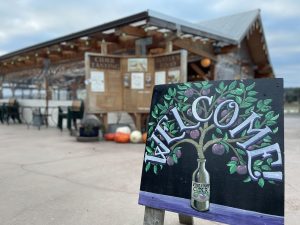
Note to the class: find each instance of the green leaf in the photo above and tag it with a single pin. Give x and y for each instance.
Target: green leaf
(261, 182)
(219, 131)
(230, 96)
(150, 130)
(265, 108)
(204, 83)
(257, 124)
(218, 90)
(275, 117)
(245, 105)
(148, 165)
(266, 167)
(160, 106)
(166, 104)
(225, 137)
(185, 99)
(271, 122)
(244, 133)
(242, 86)
(154, 115)
(264, 144)
(248, 179)
(213, 137)
(182, 87)
(221, 86)
(207, 86)
(155, 169)
(238, 99)
(232, 169)
(156, 109)
(267, 140)
(250, 87)
(249, 110)
(226, 146)
(185, 108)
(260, 104)
(269, 161)
(231, 163)
(237, 91)
(252, 93)
(198, 85)
(175, 158)
(167, 97)
(251, 99)
(232, 85)
(172, 126)
(241, 152)
(257, 168)
(148, 149)
(275, 130)
(152, 144)
(269, 115)
(170, 92)
(267, 101)
(258, 162)
(174, 91)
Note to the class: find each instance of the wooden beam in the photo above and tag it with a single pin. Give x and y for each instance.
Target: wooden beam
(199, 71)
(194, 47)
(132, 31)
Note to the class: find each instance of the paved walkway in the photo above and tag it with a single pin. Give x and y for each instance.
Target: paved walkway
(47, 178)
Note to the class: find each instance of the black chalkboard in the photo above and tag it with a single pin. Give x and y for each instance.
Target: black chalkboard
(236, 127)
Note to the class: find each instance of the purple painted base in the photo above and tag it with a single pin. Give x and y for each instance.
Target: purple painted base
(219, 213)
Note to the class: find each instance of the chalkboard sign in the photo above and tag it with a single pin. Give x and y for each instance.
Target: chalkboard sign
(215, 150)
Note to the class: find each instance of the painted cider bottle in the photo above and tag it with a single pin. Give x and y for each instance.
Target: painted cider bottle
(200, 187)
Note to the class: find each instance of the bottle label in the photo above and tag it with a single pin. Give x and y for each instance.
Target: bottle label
(200, 191)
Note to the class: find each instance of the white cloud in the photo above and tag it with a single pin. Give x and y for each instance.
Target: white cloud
(290, 75)
(276, 8)
(27, 22)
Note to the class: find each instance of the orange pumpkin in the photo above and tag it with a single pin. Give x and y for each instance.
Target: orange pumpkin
(109, 136)
(122, 137)
(144, 137)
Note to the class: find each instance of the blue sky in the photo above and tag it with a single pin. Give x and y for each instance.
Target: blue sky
(28, 22)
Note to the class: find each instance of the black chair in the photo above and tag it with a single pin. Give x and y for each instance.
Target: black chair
(3, 113)
(11, 110)
(73, 113)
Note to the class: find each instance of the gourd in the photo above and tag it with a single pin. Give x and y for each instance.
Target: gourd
(122, 137)
(144, 137)
(125, 130)
(136, 136)
(109, 136)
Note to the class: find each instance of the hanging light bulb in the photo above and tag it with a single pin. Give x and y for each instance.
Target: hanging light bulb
(205, 62)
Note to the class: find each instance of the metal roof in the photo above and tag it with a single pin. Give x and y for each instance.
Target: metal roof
(234, 26)
(153, 18)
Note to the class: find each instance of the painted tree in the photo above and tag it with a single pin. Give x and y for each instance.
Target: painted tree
(208, 136)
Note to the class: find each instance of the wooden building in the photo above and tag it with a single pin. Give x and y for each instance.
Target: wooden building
(114, 66)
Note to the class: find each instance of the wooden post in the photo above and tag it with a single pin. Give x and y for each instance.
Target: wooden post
(105, 121)
(103, 47)
(183, 219)
(169, 46)
(154, 216)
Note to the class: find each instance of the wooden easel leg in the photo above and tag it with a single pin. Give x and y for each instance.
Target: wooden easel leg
(183, 219)
(154, 216)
